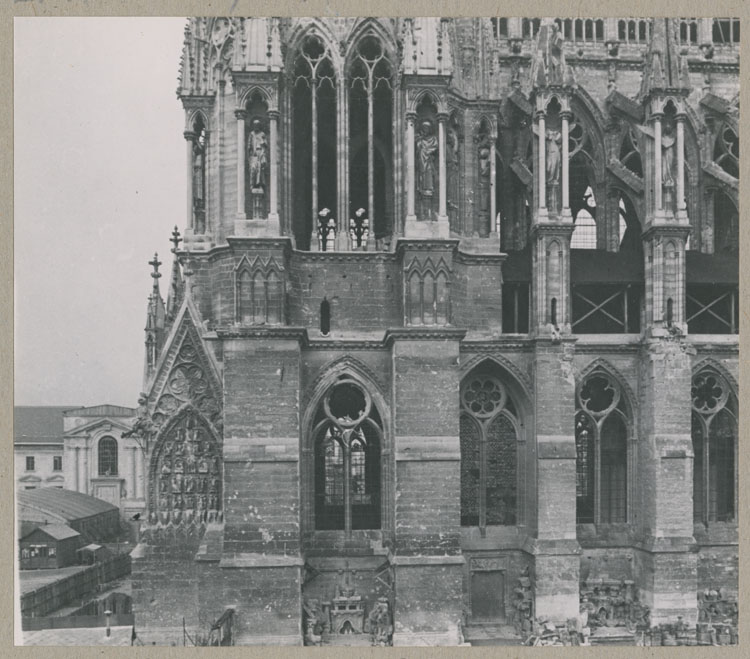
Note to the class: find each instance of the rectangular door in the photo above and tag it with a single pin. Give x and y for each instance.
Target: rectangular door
(488, 596)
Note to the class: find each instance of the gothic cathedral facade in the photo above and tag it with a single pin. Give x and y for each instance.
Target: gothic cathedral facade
(451, 333)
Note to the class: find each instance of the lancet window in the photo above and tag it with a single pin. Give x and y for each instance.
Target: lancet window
(371, 133)
(714, 432)
(489, 453)
(315, 125)
(347, 437)
(601, 435)
(634, 30)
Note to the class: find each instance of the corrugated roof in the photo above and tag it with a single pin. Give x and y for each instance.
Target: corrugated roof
(62, 504)
(56, 531)
(38, 423)
(102, 410)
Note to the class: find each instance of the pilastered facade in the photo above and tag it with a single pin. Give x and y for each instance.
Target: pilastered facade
(451, 331)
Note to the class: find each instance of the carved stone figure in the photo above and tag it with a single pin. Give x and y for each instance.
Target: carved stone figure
(555, 60)
(427, 148)
(668, 164)
(379, 620)
(554, 159)
(257, 155)
(326, 231)
(359, 230)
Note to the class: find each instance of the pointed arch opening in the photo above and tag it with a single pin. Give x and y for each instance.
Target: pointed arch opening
(603, 428)
(714, 435)
(491, 445)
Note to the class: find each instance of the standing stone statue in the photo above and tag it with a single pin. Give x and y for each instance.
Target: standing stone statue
(668, 164)
(554, 164)
(257, 155)
(427, 147)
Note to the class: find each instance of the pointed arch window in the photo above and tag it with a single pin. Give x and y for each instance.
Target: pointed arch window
(489, 454)
(314, 90)
(727, 150)
(259, 293)
(107, 456)
(427, 293)
(714, 433)
(347, 440)
(371, 132)
(602, 453)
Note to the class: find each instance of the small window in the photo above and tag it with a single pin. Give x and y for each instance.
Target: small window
(29, 487)
(325, 317)
(30, 463)
(57, 463)
(107, 456)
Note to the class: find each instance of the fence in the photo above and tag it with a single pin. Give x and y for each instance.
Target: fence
(77, 586)
(67, 622)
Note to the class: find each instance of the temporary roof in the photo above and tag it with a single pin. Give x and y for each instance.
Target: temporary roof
(59, 504)
(55, 531)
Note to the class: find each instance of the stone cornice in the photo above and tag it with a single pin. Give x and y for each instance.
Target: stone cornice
(679, 230)
(514, 344)
(404, 244)
(344, 344)
(479, 259)
(263, 332)
(423, 334)
(343, 257)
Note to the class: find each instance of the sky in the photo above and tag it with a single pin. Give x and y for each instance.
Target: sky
(99, 183)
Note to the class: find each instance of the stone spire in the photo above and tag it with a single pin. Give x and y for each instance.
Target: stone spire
(176, 282)
(664, 69)
(155, 321)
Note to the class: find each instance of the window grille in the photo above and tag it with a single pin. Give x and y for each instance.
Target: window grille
(584, 233)
(107, 456)
(57, 463)
(714, 433)
(488, 441)
(29, 463)
(601, 435)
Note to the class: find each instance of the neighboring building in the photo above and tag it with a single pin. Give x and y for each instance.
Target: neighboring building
(49, 546)
(38, 447)
(94, 519)
(452, 336)
(101, 462)
(80, 449)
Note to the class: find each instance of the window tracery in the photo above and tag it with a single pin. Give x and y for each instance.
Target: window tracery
(601, 434)
(714, 433)
(727, 150)
(488, 444)
(347, 438)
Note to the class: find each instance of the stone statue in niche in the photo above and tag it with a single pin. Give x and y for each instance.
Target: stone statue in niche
(359, 230)
(554, 165)
(427, 148)
(668, 163)
(485, 167)
(199, 180)
(257, 155)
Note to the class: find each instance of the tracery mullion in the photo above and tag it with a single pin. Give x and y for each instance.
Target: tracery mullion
(597, 472)
(707, 469)
(483, 476)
